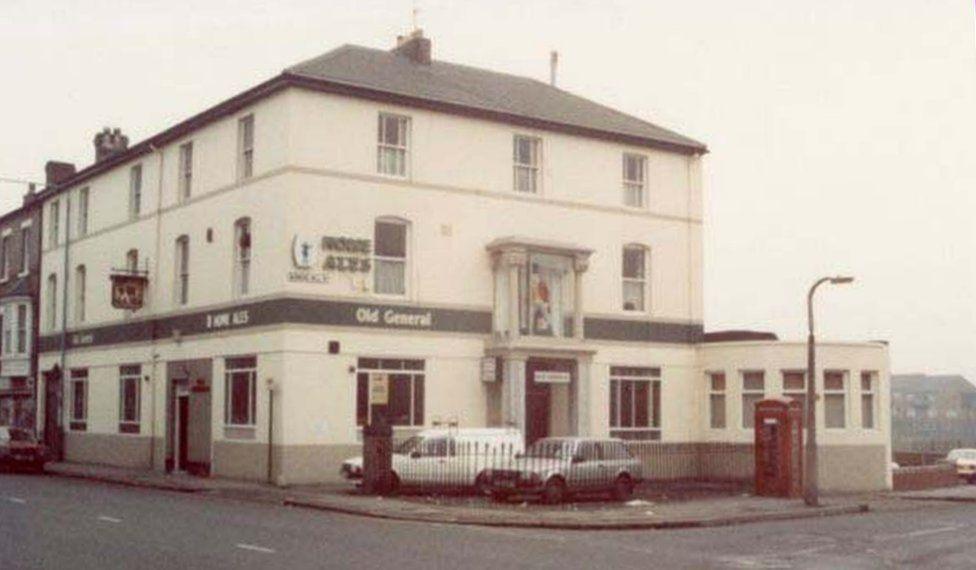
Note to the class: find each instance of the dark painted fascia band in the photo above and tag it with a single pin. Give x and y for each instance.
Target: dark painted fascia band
(349, 314)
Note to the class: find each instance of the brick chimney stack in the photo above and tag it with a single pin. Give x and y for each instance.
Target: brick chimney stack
(56, 172)
(414, 47)
(109, 142)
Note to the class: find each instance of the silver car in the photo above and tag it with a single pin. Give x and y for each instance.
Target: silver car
(559, 466)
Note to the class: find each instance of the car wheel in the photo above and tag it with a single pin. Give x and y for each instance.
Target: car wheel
(554, 492)
(623, 488)
(481, 485)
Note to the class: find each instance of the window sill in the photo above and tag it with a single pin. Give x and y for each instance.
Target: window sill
(23, 273)
(78, 425)
(242, 432)
(129, 428)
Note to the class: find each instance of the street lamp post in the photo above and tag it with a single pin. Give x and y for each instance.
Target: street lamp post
(811, 492)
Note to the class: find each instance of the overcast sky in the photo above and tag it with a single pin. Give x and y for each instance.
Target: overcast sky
(841, 133)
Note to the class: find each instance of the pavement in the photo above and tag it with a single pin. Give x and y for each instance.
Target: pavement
(60, 522)
(959, 493)
(636, 514)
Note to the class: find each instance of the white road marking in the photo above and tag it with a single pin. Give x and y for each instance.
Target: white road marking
(114, 520)
(929, 531)
(255, 548)
(17, 500)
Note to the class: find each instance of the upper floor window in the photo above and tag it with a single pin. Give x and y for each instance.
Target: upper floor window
(527, 161)
(245, 147)
(393, 137)
(5, 255)
(52, 302)
(25, 245)
(547, 295)
(53, 236)
(634, 174)
(635, 278)
(390, 261)
(135, 191)
(83, 212)
(80, 278)
(182, 289)
(22, 327)
(186, 171)
(242, 257)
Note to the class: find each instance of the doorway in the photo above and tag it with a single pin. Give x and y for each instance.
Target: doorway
(547, 383)
(188, 433)
(182, 422)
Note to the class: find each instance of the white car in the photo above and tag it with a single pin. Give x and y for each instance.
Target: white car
(964, 460)
(446, 458)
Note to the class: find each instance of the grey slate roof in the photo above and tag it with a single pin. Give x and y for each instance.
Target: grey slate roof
(478, 89)
(920, 383)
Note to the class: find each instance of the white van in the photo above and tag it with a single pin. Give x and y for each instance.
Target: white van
(444, 458)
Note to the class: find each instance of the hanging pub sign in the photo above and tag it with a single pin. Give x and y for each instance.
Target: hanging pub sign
(128, 290)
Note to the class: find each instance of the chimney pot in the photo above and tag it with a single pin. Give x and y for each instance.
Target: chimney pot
(553, 64)
(414, 47)
(109, 142)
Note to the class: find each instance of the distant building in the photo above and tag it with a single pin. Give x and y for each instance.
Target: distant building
(932, 411)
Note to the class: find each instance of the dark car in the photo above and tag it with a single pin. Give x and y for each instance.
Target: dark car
(20, 449)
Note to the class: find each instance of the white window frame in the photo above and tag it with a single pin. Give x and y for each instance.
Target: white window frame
(533, 168)
(25, 245)
(22, 326)
(635, 187)
(130, 373)
(185, 185)
(252, 378)
(793, 392)
(135, 191)
(243, 257)
(79, 377)
(81, 282)
(641, 281)
(83, 197)
(245, 147)
(873, 379)
(400, 148)
(181, 285)
(654, 421)
(381, 259)
(749, 415)
(841, 392)
(54, 213)
(401, 370)
(713, 393)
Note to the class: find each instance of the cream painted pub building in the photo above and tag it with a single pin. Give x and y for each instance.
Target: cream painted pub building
(501, 251)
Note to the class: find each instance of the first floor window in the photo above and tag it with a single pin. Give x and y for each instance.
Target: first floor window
(135, 191)
(182, 270)
(52, 302)
(21, 347)
(80, 294)
(753, 391)
(79, 398)
(835, 404)
(795, 387)
(393, 140)
(240, 391)
(634, 277)
(869, 387)
(245, 147)
(129, 398)
(716, 400)
(634, 170)
(635, 402)
(390, 257)
(404, 380)
(527, 161)
(242, 257)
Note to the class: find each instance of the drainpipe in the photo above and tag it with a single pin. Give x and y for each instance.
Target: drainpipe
(271, 430)
(64, 316)
(153, 322)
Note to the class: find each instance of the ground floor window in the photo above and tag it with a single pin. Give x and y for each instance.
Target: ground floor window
(635, 402)
(716, 400)
(753, 391)
(835, 400)
(404, 381)
(79, 399)
(869, 383)
(129, 398)
(240, 391)
(795, 387)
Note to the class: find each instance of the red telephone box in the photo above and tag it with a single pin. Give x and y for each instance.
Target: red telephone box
(779, 448)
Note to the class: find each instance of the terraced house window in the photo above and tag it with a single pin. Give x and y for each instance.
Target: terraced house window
(835, 399)
(135, 191)
(634, 277)
(182, 286)
(130, 397)
(186, 170)
(753, 391)
(53, 226)
(634, 173)
(22, 317)
(240, 391)
(83, 212)
(527, 158)
(80, 293)
(242, 257)
(52, 302)
(635, 403)
(869, 388)
(405, 390)
(79, 399)
(393, 137)
(716, 400)
(245, 147)
(390, 256)
(25, 245)
(5, 255)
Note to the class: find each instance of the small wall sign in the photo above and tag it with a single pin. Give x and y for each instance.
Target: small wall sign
(128, 290)
(379, 389)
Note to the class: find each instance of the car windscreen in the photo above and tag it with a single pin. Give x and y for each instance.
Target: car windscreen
(550, 449)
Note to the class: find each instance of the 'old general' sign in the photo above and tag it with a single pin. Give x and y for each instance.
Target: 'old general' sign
(128, 291)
